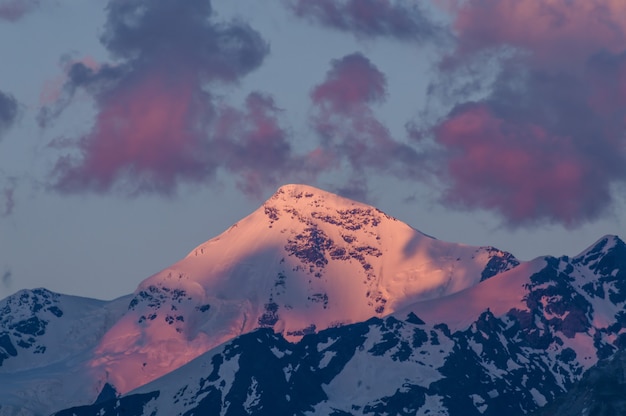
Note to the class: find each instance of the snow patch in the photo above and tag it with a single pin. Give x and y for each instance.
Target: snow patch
(479, 402)
(538, 397)
(433, 407)
(328, 356)
(253, 398)
(278, 353)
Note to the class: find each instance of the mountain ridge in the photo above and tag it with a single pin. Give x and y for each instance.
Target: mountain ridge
(309, 266)
(512, 362)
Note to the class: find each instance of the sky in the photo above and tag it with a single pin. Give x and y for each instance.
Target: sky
(131, 131)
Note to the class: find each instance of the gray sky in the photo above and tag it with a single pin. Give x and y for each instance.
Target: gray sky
(132, 131)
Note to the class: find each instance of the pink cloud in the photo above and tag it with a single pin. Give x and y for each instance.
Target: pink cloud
(518, 169)
(157, 124)
(344, 120)
(545, 140)
(14, 10)
(147, 135)
(347, 125)
(554, 32)
(254, 145)
(352, 81)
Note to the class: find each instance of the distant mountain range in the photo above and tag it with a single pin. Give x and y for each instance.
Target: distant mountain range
(316, 304)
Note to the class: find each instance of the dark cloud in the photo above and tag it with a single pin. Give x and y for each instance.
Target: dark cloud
(545, 141)
(182, 39)
(7, 277)
(8, 186)
(13, 10)
(157, 123)
(356, 189)
(8, 112)
(399, 19)
(347, 125)
(8, 201)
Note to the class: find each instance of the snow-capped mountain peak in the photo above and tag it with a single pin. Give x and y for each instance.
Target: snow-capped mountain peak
(508, 345)
(304, 261)
(318, 304)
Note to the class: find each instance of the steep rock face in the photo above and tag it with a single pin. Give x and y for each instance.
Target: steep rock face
(306, 260)
(24, 319)
(601, 392)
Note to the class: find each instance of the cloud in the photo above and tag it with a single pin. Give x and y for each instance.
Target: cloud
(402, 20)
(520, 170)
(253, 144)
(347, 126)
(158, 124)
(14, 10)
(8, 184)
(7, 277)
(351, 82)
(555, 32)
(9, 203)
(356, 188)
(8, 112)
(51, 96)
(542, 142)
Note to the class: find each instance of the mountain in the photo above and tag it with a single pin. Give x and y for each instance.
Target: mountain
(44, 336)
(318, 304)
(306, 260)
(549, 321)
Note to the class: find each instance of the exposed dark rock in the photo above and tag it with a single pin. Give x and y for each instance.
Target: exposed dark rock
(498, 263)
(600, 392)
